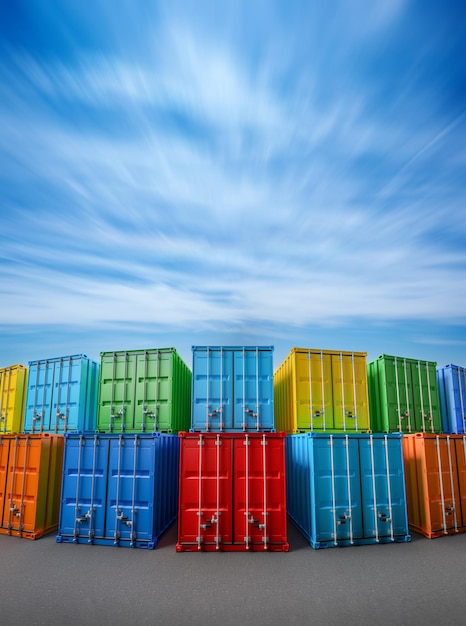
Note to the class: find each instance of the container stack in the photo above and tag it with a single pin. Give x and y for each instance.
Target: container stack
(53, 397)
(345, 485)
(120, 481)
(412, 397)
(232, 462)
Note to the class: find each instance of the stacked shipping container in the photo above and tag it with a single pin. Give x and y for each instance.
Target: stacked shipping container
(62, 395)
(403, 395)
(345, 486)
(13, 380)
(30, 479)
(452, 392)
(232, 466)
(436, 483)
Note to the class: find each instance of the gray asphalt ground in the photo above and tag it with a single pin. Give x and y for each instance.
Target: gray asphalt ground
(422, 582)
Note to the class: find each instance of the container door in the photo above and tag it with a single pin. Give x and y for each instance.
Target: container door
(399, 395)
(253, 389)
(460, 445)
(130, 499)
(350, 400)
(212, 390)
(66, 403)
(4, 502)
(39, 398)
(154, 380)
(336, 491)
(117, 390)
(383, 487)
(314, 401)
(259, 500)
(426, 400)
(84, 487)
(205, 515)
(442, 483)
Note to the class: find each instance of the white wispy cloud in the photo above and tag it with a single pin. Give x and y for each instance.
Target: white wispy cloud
(266, 212)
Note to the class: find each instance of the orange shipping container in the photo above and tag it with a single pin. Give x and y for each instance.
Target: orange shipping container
(435, 474)
(30, 483)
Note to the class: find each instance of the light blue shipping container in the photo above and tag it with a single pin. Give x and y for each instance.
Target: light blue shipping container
(62, 395)
(232, 389)
(118, 490)
(345, 490)
(452, 394)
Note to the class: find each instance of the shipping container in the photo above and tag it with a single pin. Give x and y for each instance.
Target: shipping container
(118, 489)
(144, 391)
(30, 481)
(13, 381)
(232, 492)
(322, 391)
(403, 395)
(62, 395)
(435, 467)
(345, 490)
(452, 394)
(232, 389)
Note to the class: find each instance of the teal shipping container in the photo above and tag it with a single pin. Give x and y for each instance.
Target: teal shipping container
(347, 490)
(61, 395)
(403, 395)
(232, 389)
(144, 391)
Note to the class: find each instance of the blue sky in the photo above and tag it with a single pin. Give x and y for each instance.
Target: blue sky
(240, 173)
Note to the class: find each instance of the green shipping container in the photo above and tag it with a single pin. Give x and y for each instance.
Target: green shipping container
(403, 395)
(144, 391)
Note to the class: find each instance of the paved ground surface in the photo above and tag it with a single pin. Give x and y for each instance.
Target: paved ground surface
(422, 582)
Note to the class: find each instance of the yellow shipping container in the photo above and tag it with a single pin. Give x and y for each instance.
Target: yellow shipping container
(13, 387)
(322, 391)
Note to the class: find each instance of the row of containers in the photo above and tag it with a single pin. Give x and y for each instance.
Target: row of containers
(232, 390)
(111, 454)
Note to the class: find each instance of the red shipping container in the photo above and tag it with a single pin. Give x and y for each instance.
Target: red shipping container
(232, 492)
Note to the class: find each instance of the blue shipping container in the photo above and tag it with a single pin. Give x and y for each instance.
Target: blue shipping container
(62, 395)
(119, 490)
(452, 393)
(232, 389)
(347, 489)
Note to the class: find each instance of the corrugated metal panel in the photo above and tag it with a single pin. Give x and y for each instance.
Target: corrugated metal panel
(144, 391)
(119, 490)
(346, 490)
(452, 393)
(232, 492)
(30, 480)
(62, 395)
(232, 389)
(13, 380)
(403, 395)
(436, 483)
(322, 391)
